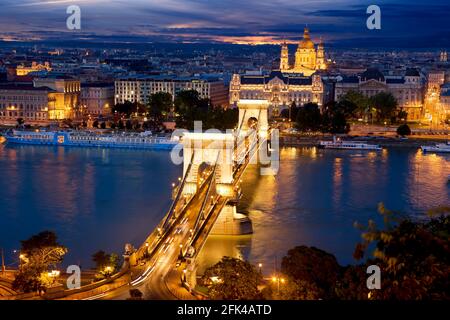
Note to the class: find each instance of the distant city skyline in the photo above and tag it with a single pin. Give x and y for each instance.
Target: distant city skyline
(341, 22)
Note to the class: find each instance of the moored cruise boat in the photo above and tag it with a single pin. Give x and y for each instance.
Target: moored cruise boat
(439, 147)
(337, 143)
(89, 139)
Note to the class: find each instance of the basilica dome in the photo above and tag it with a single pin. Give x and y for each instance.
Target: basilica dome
(306, 42)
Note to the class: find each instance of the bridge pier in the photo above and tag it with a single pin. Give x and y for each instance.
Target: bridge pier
(229, 222)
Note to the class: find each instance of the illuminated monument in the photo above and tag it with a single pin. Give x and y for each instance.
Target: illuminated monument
(299, 83)
(308, 59)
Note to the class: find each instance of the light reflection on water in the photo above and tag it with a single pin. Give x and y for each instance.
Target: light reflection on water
(100, 199)
(318, 194)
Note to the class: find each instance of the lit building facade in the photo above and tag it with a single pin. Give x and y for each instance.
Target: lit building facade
(407, 89)
(139, 88)
(434, 113)
(35, 67)
(280, 90)
(307, 60)
(444, 101)
(27, 102)
(67, 104)
(97, 98)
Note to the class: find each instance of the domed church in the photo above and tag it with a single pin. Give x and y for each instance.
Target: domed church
(308, 59)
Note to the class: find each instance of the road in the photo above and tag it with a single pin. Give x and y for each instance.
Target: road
(152, 281)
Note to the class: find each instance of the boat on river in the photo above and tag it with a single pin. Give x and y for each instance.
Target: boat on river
(91, 139)
(439, 148)
(337, 143)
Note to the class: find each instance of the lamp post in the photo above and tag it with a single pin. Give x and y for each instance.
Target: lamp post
(278, 280)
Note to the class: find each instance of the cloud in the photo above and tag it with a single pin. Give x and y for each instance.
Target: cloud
(228, 20)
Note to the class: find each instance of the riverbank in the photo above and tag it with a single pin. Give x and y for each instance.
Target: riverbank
(391, 142)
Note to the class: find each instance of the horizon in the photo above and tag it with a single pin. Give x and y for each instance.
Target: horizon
(341, 24)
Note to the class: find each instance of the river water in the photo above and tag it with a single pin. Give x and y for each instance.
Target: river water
(103, 198)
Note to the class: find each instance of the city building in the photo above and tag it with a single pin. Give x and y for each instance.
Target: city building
(139, 88)
(307, 60)
(35, 67)
(433, 111)
(97, 98)
(443, 57)
(444, 101)
(67, 98)
(407, 89)
(279, 89)
(27, 102)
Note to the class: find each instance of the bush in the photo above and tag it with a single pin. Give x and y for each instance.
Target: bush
(404, 130)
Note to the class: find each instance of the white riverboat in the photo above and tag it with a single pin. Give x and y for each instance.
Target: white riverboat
(337, 143)
(439, 147)
(90, 139)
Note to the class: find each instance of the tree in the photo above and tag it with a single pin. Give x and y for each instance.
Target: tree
(20, 121)
(95, 124)
(186, 99)
(352, 283)
(291, 289)
(309, 117)
(232, 279)
(106, 264)
(403, 130)
(414, 255)
(103, 125)
(354, 103)
(334, 121)
(41, 240)
(386, 106)
(159, 105)
(38, 254)
(313, 266)
(127, 108)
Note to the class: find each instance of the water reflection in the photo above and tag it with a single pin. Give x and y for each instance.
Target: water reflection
(100, 199)
(318, 194)
(93, 198)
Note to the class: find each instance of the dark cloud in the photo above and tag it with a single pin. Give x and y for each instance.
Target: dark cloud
(339, 22)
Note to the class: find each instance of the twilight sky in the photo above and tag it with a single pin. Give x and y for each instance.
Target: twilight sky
(405, 23)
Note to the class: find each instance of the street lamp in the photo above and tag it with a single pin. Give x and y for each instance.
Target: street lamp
(278, 280)
(260, 267)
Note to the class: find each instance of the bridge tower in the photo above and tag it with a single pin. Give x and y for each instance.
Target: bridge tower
(205, 150)
(253, 114)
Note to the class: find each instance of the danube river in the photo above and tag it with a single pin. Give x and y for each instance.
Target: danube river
(103, 198)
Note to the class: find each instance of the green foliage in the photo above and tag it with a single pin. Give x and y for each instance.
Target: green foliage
(351, 284)
(40, 240)
(128, 107)
(159, 105)
(106, 264)
(404, 130)
(414, 256)
(354, 104)
(334, 121)
(386, 106)
(38, 254)
(232, 279)
(314, 267)
(309, 118)
(186, 100)
(291, 289)
(191, 108)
